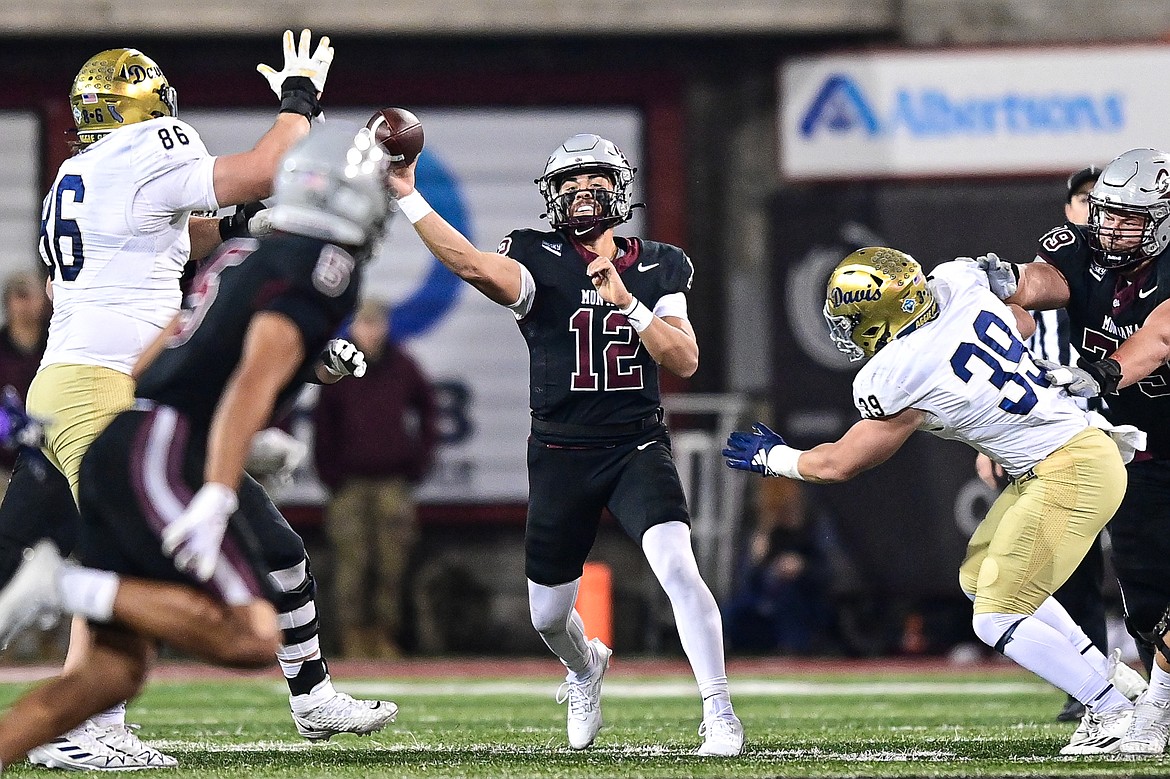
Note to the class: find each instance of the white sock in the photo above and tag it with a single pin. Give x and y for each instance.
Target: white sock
(1159, 691)
(1047, 653)
(115, 715)
(87, 592)
(560, 626)
(716, 697)
(1054, 615)
(700, 628)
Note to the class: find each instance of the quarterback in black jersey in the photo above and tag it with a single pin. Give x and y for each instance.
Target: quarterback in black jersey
(600, 314)
(172, 529)
(1113, 276)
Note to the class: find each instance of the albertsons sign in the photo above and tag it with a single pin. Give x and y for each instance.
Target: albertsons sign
(968, 113)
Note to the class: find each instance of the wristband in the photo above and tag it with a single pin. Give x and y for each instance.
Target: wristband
(299, 96)
(414, 206)
(1107, 374)
(781, 461)
(638, 315)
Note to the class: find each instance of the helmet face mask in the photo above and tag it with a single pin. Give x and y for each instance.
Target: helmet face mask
(115, 88)
(332, 185)
(587, 155)
(1129, 209)
(873, 296)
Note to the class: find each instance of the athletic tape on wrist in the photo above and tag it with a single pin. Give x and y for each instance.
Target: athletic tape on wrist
(782, 461)
(638, 315)
(414, 206)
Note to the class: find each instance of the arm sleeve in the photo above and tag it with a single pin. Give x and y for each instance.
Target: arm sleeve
(674, 304)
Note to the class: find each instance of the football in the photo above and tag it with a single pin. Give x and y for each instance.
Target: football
(400, 134)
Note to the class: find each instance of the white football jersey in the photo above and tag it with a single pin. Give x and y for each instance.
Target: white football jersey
(114, 235)
(971, 373)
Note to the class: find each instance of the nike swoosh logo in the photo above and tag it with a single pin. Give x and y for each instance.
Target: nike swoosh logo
(1146, 292)
(643, 268)
(641, 447)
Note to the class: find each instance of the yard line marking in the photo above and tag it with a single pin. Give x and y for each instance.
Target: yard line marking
(683, 689)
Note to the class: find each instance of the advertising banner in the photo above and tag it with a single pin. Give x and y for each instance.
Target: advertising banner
(978, 113)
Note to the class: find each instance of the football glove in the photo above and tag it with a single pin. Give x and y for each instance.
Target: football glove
(239, 224)
(17, 428)
(297, 62)
(1003, 277)
(193, 541)
(343, 358)
(749, 451)
(276, 454)
(1091, 381)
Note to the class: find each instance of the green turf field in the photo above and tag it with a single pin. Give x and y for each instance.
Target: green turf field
(997, 723)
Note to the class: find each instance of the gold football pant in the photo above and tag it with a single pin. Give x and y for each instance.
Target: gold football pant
(76, 402)
(1042, 525)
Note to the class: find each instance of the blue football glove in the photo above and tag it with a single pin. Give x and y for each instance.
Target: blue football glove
(17, 428)
(749, 451)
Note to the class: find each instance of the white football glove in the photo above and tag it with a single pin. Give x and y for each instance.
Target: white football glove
(297, 62)
(193, 541)
(1003, 277)
(343, 358)
(1075, 381)
(275, 453)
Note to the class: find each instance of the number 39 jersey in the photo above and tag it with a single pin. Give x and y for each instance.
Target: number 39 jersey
(114, 235)
(587, 364)
(971, 373)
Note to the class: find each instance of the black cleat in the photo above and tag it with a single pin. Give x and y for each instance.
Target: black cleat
(1073, 710)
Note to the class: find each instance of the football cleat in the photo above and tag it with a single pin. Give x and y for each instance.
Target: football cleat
(80, 750)
(31, 594)
(1101, 733)
(1128, 682)
(584, 699)
(340, 713)
(1072, 711)
(1149, 730)
(123, 738)
(722, 735)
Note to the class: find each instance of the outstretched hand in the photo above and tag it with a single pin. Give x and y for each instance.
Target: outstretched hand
(298, 62)
(749, 451)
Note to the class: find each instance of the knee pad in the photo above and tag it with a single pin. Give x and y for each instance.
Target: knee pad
(995, 629)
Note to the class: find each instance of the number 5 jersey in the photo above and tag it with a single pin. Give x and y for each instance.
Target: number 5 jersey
(971, 373)
(114, 235)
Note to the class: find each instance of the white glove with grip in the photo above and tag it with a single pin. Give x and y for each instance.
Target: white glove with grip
(1075, 381)
(298, 62)
(275, 453)
(343, 358)
(193, 541)
(1003, 277)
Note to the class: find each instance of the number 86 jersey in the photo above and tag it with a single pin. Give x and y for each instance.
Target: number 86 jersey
(114, 235)
(970, 372)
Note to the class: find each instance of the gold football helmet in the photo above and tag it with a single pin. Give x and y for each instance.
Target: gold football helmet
(875, 295)
(115, 88)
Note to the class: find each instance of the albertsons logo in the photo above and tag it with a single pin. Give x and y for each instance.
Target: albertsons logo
(841, 106)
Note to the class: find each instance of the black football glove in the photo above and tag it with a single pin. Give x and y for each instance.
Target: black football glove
(236, 225)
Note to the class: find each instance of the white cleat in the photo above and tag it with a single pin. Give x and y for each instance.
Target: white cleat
(1128, 682)
(1101, 735)
(722, 735)
(31, 594)
(1149, 730)
(80, 750)
(125, 740)
(339, 713)
(584, 698)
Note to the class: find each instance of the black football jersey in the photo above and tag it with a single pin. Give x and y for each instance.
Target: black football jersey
(587, 365)
(313, 283)
(1105, 308)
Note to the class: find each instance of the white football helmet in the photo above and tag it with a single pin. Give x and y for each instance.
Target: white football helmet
(1136, 184)
(332, 185)
(587, 153)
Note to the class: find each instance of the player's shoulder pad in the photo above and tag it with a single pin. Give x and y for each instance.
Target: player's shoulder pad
(159, 144)
(528, 245)
(1067, 241)
(678, 270)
